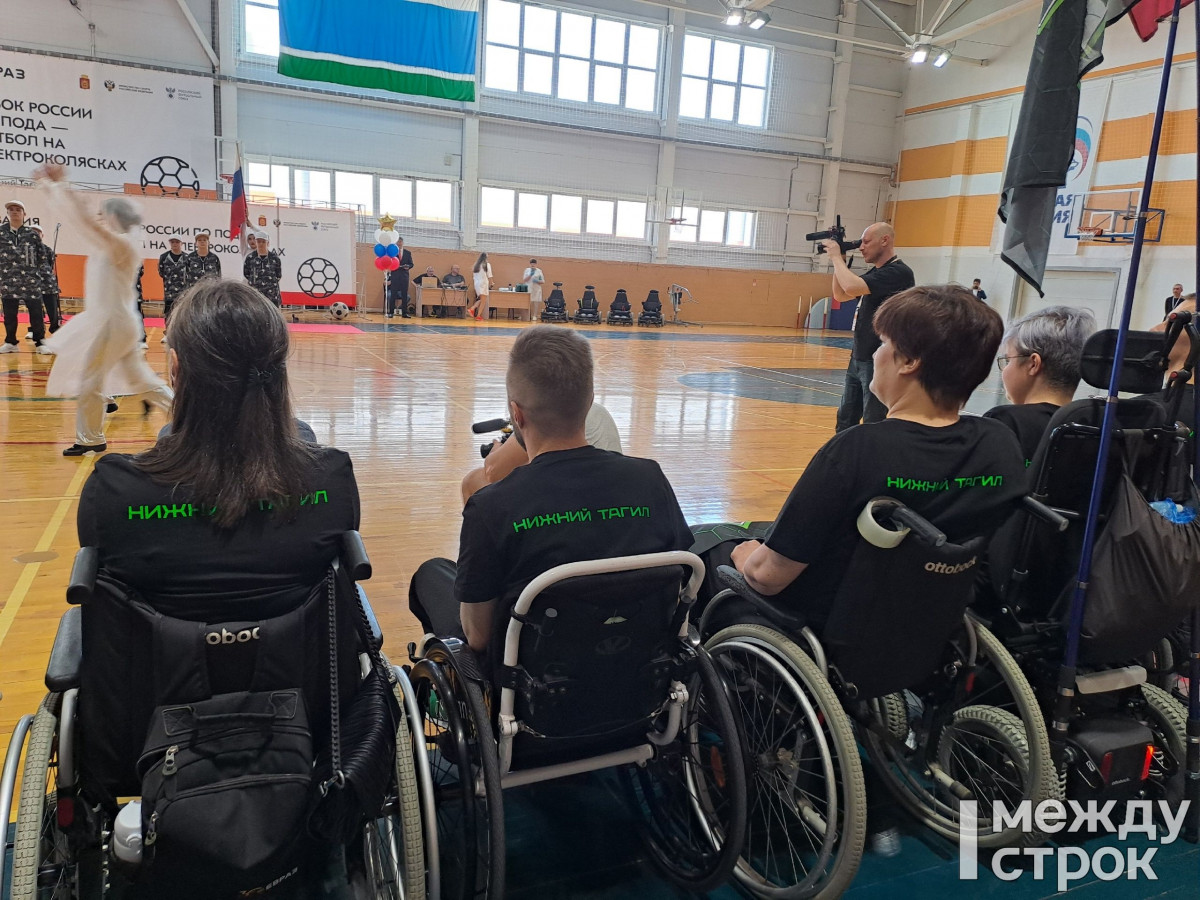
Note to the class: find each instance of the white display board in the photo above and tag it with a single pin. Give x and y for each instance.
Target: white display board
(316, 245)
(111, 125)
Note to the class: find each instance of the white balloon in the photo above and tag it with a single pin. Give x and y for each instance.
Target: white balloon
(386, 237)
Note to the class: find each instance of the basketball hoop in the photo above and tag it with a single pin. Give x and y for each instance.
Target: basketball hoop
(1093, 233)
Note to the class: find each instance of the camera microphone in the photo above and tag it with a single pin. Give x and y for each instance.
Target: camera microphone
(489, 425)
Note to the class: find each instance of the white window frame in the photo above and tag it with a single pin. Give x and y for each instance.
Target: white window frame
(557, 55)
(738, 86)
(244, 45)
(585, 203)
(688, 233)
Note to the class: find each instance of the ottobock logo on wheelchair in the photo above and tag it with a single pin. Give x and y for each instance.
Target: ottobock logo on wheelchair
(940, 568)
(225, 636)
(1070, 863)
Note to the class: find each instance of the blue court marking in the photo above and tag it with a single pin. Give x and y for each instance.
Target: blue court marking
(813, 387)
(616, 334)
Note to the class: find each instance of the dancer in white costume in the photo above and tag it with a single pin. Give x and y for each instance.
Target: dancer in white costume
(96, 352)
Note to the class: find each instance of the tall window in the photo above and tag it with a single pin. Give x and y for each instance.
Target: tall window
(268, 180)
(261, 36)
(570, 56)
(733, 227)
(724, 81)
(355, 189)
(562, 213)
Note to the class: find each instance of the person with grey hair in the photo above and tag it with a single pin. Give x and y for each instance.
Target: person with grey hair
(1039, 367)
(511, 530)
(97, 350)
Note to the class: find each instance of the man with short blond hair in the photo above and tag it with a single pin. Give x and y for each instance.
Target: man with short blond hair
(517, 528)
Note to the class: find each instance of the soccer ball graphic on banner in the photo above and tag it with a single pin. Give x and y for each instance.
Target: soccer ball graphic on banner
(318, 278)
(172, 176)
(338, 309)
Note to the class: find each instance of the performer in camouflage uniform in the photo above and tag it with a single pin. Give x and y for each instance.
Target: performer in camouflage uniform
(263, 269)
(47, 263)
(201, 263)
(173, 270)
(20, 277)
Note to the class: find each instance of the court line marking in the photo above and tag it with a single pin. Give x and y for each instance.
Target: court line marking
(17, 595)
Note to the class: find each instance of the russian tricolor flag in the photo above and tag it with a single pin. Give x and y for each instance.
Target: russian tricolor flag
(238, 212)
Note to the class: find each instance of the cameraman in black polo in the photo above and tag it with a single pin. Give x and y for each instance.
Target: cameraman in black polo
(888, 276)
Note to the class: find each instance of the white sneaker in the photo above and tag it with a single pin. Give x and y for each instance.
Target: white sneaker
(9, 348)
(43, 350)
(29, 335)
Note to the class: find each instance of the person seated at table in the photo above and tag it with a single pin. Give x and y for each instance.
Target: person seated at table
(962, 473)
(454, 281)
(1039, 367)
(511, 532)
(428, 280)
(599, 429)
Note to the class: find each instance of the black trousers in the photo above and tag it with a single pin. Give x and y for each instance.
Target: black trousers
(397, 291)
(431, 597)
(50, 301)
(37, 321)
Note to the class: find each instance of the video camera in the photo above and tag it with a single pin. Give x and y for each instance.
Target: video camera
(501, 425)
(836, 233)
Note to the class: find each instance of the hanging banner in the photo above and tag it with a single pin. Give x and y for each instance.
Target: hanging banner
(316, 246)
(109, 125)
(1093, 106)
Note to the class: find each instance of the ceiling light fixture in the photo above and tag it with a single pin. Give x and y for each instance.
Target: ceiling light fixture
(941, 59)
(920, 54)
(735, 17)
(760, 19)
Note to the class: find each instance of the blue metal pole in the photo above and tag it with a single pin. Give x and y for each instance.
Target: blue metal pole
(1191, 828)
(1066, 682)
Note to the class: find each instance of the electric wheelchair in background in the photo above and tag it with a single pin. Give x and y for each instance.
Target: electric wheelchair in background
(619, 311)
(1126, 735)
(942, 710)
(651, 314)
(556, 305)
(588, 312)
(180, 713)
(594, 666)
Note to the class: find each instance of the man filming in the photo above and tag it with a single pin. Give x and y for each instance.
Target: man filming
(888, 276)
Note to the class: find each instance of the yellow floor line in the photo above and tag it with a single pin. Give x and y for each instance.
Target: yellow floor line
(17, 596)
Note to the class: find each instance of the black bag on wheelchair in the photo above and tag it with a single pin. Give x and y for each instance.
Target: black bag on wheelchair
(226, 790)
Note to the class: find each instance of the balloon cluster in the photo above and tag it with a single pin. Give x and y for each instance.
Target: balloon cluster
(387, 254)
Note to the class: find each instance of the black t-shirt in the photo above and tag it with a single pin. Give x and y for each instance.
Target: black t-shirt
(964, 478)
(890, 278)
(1028, 422)
(565, 506)
(153, 539)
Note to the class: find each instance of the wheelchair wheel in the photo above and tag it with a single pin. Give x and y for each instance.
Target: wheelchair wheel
(43, 865)
(808, 807)
(466, 779)
(1168, 717)
(995, 747)
(690, 798)
(393, 845)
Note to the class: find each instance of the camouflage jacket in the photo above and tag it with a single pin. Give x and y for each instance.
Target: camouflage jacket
(202, 267)
(263, 273)
(20, 275)
(46, 260)
(173, 270)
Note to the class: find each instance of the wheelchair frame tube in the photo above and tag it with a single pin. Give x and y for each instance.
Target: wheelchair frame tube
(1079, 596)
(8, 781)
(637, 755)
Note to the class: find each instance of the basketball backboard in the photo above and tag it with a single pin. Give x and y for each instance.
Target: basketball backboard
(1110, 216)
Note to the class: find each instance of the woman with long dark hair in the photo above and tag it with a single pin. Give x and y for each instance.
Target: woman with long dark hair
(232, 504)
(483, 283)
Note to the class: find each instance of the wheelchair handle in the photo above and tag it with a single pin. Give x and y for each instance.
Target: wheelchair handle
(919, 525)
(1041, 511)
(489, 425)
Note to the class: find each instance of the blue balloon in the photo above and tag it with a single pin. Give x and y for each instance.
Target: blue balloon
(393, 250)
(380, 250)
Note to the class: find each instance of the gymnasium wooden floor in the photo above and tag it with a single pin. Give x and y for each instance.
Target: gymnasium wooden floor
(400, 398)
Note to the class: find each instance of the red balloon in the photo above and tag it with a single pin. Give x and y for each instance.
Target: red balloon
(393, 263)
(381, 263)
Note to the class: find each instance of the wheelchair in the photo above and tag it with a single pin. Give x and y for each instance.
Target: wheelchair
(556, 306)
(589, 308)
(1127, 736)
(619, 310)
(651, 314)
(595, 667)
(941, 710)
(120, 669)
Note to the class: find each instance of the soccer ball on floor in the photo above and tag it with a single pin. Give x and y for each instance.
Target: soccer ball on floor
(338, 309)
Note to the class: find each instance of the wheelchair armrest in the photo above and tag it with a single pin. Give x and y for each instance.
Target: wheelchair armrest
(372, 622)
(66, 657)
(83, 575)
(1041, 511)
(736, 582)
(354, 556)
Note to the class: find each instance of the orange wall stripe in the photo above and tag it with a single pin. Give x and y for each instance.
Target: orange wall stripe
(1130, 138)
(970, 157)
(946, 222)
